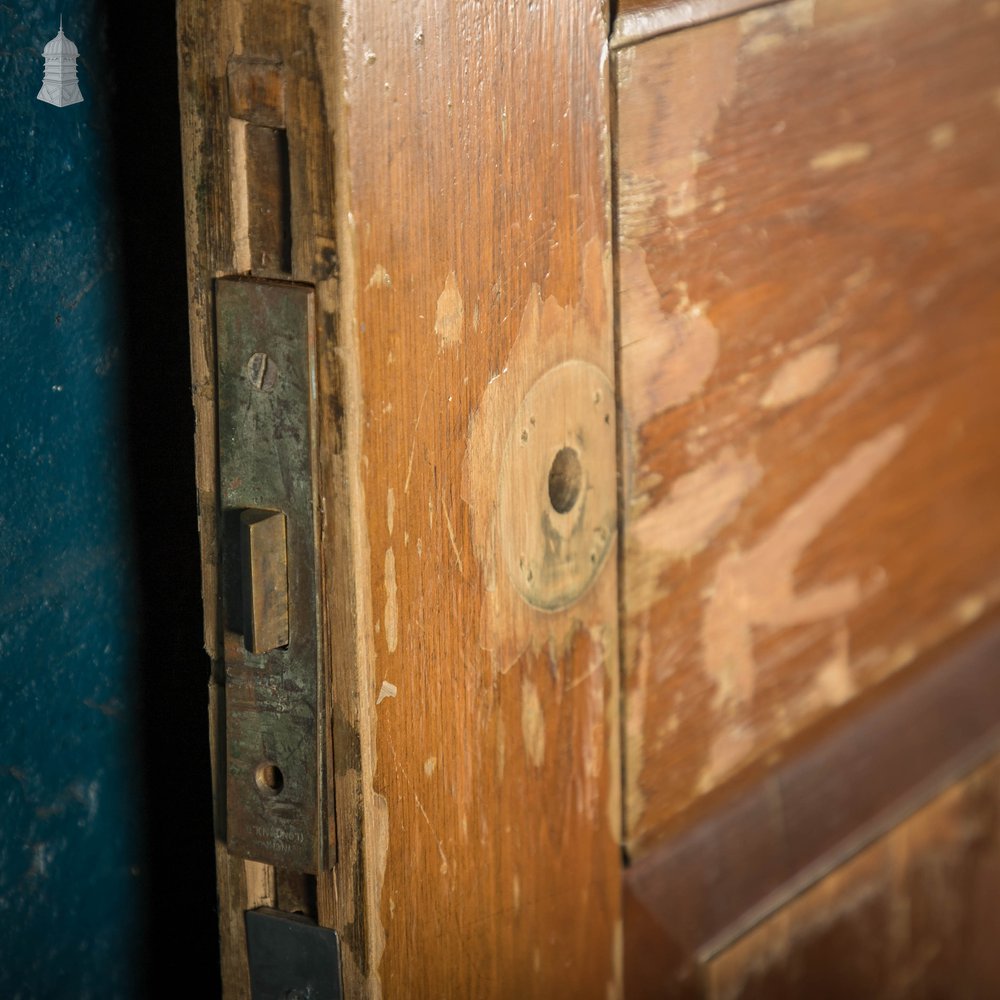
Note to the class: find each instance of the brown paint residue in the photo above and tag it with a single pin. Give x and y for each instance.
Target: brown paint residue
(666, 357)
(450, 313)
(756, 587)
(801, 376)
(698, 506)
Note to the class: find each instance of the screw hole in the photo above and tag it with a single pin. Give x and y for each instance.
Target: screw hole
(269, 779)
(565, 480)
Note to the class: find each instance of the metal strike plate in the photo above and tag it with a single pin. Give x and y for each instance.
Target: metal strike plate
(291, 958)
(277, 804)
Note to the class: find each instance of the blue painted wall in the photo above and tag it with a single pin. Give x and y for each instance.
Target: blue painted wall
(93, 535)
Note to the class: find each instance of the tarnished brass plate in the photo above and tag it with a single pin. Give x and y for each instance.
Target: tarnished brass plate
(276, 766)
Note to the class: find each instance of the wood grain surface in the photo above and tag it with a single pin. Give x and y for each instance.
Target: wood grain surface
(441, 176)
(808, 240)
(473, 171)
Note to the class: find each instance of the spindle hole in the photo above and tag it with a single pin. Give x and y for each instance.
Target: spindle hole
(565, 480)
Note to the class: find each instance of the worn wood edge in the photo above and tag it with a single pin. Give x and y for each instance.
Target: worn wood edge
(208, 36)
(922, 731)
(634, 26)
(348, 896)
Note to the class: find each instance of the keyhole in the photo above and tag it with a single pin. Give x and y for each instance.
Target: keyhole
(565, 480)
(269, 779)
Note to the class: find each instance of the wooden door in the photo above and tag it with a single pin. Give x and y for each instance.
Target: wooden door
(808, 245)
(654, 435)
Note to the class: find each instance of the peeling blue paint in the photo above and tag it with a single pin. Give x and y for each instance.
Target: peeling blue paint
(70, 906)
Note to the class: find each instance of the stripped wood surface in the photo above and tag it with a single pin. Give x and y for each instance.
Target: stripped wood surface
(808, 239)
(475, 248)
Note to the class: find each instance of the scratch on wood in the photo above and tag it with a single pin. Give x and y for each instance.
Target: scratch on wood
(401, 771)
(451, 537)
(413, 444)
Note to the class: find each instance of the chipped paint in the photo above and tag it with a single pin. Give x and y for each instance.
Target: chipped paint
(667, 168)
(763, 42)
(670, 354)
(450, 313)
(380, 278)
(941, 136)
(797, 15)
(387, 690)
(430, 765)
(698, 506)
(756, 587)
(731, 746)
(970, 608)
(834, 681)
(802, 376)
(390, 509)
(847, 154)
(532, 722)
(391, 615)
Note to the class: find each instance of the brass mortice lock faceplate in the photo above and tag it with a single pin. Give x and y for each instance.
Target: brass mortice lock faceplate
(276, 745)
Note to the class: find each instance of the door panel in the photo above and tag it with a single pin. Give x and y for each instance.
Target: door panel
(913, 916)
(808, 246)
